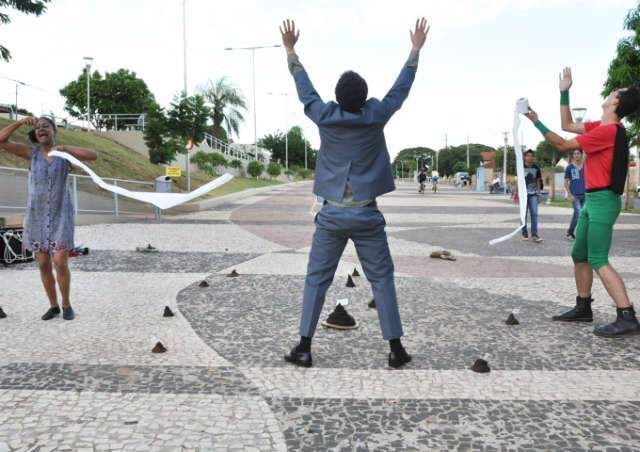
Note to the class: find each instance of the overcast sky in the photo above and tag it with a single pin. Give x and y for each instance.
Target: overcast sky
(480, 57)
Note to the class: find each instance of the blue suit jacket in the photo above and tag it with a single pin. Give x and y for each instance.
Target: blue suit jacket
(352, 145)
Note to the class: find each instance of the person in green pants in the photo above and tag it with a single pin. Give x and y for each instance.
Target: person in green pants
(606, 147)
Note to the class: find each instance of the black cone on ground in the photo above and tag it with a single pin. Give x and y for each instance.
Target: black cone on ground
(511, 320)
(372, 303)
(356, 272)
(2, 314)
(159, 348)
(233, 274)
(167, 312)
(203, 283)
(481, 366)
(350, 282)
(340, 319)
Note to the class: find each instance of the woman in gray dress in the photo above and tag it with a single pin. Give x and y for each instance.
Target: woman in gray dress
(49, 219)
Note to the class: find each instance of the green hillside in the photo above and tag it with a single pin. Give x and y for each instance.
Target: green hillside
(117, 161)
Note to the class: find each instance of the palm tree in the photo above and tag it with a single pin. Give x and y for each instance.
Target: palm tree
(226, 103)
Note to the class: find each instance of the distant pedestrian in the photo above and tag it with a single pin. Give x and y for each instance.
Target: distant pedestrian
(533, 179)
(574, 185)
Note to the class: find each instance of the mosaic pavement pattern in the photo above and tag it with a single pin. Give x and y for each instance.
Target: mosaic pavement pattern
(93, 384)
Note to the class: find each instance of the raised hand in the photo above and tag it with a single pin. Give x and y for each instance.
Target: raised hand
(289, 34)
(30, 121)
(566, 80)
(532, 115)
(419, 35)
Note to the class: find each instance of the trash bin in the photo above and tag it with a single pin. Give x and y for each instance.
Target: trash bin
(163, 184)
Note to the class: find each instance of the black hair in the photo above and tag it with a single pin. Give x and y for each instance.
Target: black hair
(628, 101)
(32, 133)
(530, 151)
(351, 92)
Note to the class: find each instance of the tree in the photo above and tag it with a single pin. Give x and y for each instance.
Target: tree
(235, 163)
(226, 103)
(460, 167)
(35, 7)
(187, 118)
(117, 92)
(162, 146)
(255, 168)
(447, 158)
(273, 169)
(276, 143)
(624, 70)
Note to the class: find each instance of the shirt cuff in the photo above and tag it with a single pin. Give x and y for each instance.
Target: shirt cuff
(294, 63)
(414, 56)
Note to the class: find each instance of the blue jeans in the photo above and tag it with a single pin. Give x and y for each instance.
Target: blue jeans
(578, 204)
(532, 206)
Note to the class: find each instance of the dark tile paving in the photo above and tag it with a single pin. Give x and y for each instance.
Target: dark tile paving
(253, 320)
(457, 425)
(125, 379)
(476, 240)
(161, 262)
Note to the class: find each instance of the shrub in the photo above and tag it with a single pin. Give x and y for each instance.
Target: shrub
(274, 169)
(235, 163)
(255, 168)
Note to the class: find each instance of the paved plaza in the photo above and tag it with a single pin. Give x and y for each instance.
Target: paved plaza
(93, 384)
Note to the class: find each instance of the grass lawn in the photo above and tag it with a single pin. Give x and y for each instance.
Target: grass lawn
(119, 162)
(565, 203)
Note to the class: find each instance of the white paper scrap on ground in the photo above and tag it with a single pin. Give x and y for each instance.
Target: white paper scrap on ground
(160, 200)
(521, 106)
(342, 302)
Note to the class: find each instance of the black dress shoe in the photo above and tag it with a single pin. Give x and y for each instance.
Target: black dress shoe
(302, 359)
(51, 313)
(68, 314)
(580, 313)
(626, 324)
(399, 359)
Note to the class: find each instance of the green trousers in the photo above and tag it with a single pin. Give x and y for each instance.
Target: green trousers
(595, 228)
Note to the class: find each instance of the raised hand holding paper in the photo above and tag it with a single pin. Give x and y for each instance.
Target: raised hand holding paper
(160, 200)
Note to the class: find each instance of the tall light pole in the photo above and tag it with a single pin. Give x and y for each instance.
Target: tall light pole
(504, 161)
(87, 65)
(184, 89)
(253, 69)
(467, 152)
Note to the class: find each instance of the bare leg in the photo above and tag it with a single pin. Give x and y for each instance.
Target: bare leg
(614, 285)
(46, 275)
(584, 279)
(60, 260)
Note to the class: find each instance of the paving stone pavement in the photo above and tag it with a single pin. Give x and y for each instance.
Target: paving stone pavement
(93, 384)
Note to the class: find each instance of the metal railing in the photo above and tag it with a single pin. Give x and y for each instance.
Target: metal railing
(87, 197)
(225, 148)
(127, 121)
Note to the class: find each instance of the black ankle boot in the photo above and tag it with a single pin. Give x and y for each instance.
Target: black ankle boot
(626, 324)
(580, 313)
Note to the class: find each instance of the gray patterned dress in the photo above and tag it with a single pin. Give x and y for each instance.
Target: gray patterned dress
(49, 221)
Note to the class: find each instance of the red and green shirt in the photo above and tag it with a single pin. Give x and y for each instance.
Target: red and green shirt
(598, 143)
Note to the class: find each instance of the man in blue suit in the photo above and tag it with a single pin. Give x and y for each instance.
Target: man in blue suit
(352, 169)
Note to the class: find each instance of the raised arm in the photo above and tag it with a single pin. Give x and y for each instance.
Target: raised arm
(18, 149)
(568, 124)
(313, 104)
(400, 89)
(556, 140)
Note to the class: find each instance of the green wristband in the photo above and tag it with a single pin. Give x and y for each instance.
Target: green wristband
(564, 97)
(541, 127)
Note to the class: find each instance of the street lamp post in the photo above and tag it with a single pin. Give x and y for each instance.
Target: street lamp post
(87, 65)
(504, 162)
(253, 69)
(184, 62)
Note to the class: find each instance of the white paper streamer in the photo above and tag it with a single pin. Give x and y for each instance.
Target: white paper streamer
(160, 200)
(522, 106)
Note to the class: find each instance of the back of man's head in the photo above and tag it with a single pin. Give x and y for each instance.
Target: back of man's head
(351, 92)
(628, 102)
